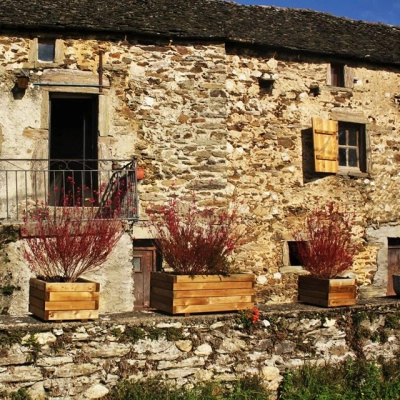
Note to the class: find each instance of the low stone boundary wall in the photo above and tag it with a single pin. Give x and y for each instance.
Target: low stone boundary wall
(83, 360)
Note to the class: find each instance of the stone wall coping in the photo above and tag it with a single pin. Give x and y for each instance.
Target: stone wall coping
(144, 317)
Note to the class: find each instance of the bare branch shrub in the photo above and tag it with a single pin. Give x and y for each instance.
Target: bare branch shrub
(195, 240)
(325, 246)
(61, 243)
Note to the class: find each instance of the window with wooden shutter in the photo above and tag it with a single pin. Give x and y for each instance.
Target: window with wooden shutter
(340, 147)
(337, 75)
(340, 75)
(325, 137)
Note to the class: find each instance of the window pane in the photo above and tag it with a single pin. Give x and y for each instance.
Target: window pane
(353, 137)
(46, 50)
(342, 157)
(137, 265)
(342, 136)
(353, 162)
(337, 75)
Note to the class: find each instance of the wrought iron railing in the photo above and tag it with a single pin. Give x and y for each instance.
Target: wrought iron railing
(105, 184)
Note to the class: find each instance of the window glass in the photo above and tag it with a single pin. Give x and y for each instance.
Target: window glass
(353, 135)
(342, 136)
(351, 145)
(137, 264)
(352, 158)
(342, 156)
(46, 50)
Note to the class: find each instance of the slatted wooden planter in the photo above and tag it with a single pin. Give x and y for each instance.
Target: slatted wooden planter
(59, 301)
(185, 294)
(327, 292)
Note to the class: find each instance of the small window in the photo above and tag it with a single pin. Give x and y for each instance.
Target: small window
(46, 50)
(351, 145)
(266, 86)
(340, 75)
(293, 253)
(337, 75)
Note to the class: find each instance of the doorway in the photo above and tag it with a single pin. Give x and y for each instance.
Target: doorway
(144, 262)
(73, 146)
(393, 263)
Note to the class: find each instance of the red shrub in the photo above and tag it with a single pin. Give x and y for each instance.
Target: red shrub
(61, 243)
(195, 241)
(325, 247)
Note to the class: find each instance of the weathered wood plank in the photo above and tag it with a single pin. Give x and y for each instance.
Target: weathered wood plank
(63, 296)
(72, 296)
(201, 278)
(350, 294)
(37, 311)
(213, 300)
(212, 285)
(72, 315)
(204, 292)
(80, 286)
(327, 302)
(63, 305)
(191, 309)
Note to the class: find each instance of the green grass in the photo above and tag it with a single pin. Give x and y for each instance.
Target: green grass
(247, 388)
(351, 380)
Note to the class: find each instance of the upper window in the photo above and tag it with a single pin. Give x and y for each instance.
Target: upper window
(340, 75)
(337, 75)
(339, 146)
(46, 50)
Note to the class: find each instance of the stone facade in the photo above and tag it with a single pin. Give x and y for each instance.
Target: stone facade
(221, 116)
(85, 360)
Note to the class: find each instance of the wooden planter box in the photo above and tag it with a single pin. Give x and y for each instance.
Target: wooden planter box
(327, 292)
(185, 294)
(58, 301)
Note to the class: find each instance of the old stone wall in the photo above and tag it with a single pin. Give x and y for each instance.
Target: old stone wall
(85, 360)
(198, 117)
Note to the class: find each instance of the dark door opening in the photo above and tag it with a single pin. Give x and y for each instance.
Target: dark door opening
(73, 148)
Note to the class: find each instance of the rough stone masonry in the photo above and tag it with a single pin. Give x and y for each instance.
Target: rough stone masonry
(221, 110)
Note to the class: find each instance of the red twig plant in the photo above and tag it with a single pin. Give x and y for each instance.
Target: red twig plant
(64, 242)
(324, 245)
(194, 240)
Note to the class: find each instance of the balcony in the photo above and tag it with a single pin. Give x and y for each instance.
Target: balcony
(26, 184)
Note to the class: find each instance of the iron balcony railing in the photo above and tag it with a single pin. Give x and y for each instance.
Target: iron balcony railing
(108, 185)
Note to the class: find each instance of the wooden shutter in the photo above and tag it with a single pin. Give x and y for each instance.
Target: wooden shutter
(329, 75)
(325, 137)
(348, 77)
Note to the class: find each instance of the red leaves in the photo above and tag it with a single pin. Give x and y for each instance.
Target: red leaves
(325, 247)
(68, 241)
(248, 318)
(196, 241)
